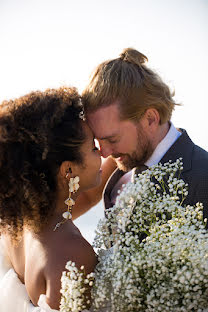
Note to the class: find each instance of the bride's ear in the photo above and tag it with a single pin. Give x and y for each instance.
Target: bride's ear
(67, 167)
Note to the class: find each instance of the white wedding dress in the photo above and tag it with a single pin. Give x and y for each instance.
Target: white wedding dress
(13, 293)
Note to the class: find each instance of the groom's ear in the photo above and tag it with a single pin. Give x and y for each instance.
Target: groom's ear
(152, 117)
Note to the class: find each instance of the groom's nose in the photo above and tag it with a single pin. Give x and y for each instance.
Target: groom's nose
(105, 150)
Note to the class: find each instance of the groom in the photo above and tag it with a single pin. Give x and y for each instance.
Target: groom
(129, 108)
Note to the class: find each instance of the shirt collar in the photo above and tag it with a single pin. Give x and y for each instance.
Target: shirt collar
(170, 138)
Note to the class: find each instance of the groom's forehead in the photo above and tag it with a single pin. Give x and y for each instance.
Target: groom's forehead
(104, 130)
(104, 123)
(110, 113)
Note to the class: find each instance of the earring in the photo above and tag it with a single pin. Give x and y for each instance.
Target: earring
(73, 188)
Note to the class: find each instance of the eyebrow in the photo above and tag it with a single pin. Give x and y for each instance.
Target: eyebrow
(107, 137)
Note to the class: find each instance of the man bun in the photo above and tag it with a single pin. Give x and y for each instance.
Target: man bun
(133, 56)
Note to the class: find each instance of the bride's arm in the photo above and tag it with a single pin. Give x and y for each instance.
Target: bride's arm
(90, 198)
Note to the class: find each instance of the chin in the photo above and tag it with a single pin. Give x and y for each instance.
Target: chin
(124, 167)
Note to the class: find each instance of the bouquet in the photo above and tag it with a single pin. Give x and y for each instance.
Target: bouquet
(75, 289)
(160, 255)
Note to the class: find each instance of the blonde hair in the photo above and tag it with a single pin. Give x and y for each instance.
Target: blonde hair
(130, 82)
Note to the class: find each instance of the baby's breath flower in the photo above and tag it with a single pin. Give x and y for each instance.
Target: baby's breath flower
(160, 256)
(75, 287)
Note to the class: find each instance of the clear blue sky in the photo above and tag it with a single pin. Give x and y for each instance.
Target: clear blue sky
(47, 43)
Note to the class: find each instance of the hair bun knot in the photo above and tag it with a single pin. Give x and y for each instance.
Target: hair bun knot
(133, 56)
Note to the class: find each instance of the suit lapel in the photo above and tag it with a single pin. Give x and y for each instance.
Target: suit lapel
(114, 178)
(183, 147)
(138, 170)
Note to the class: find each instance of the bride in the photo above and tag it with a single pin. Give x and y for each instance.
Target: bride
(48, 158)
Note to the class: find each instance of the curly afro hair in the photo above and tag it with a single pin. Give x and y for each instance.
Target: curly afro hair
(37, 133)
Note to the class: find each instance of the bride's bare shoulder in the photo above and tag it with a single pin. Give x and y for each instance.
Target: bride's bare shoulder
(63, 245)
(68, 244)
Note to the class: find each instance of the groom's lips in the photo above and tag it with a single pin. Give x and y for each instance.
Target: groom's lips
(120, 158)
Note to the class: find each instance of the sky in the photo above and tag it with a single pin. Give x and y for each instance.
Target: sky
(49, 43)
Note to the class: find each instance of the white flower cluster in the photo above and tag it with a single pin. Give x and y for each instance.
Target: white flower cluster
(75, 289)
(154, 197)
(160, 258)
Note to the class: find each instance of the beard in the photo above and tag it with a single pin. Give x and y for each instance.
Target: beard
(142, 153)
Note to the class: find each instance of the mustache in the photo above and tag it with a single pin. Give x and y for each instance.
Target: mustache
(114, 156)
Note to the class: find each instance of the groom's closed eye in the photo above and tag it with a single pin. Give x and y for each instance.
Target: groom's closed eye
(113, 141)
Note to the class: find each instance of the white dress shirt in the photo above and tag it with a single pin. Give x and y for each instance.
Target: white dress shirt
(161, 149)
